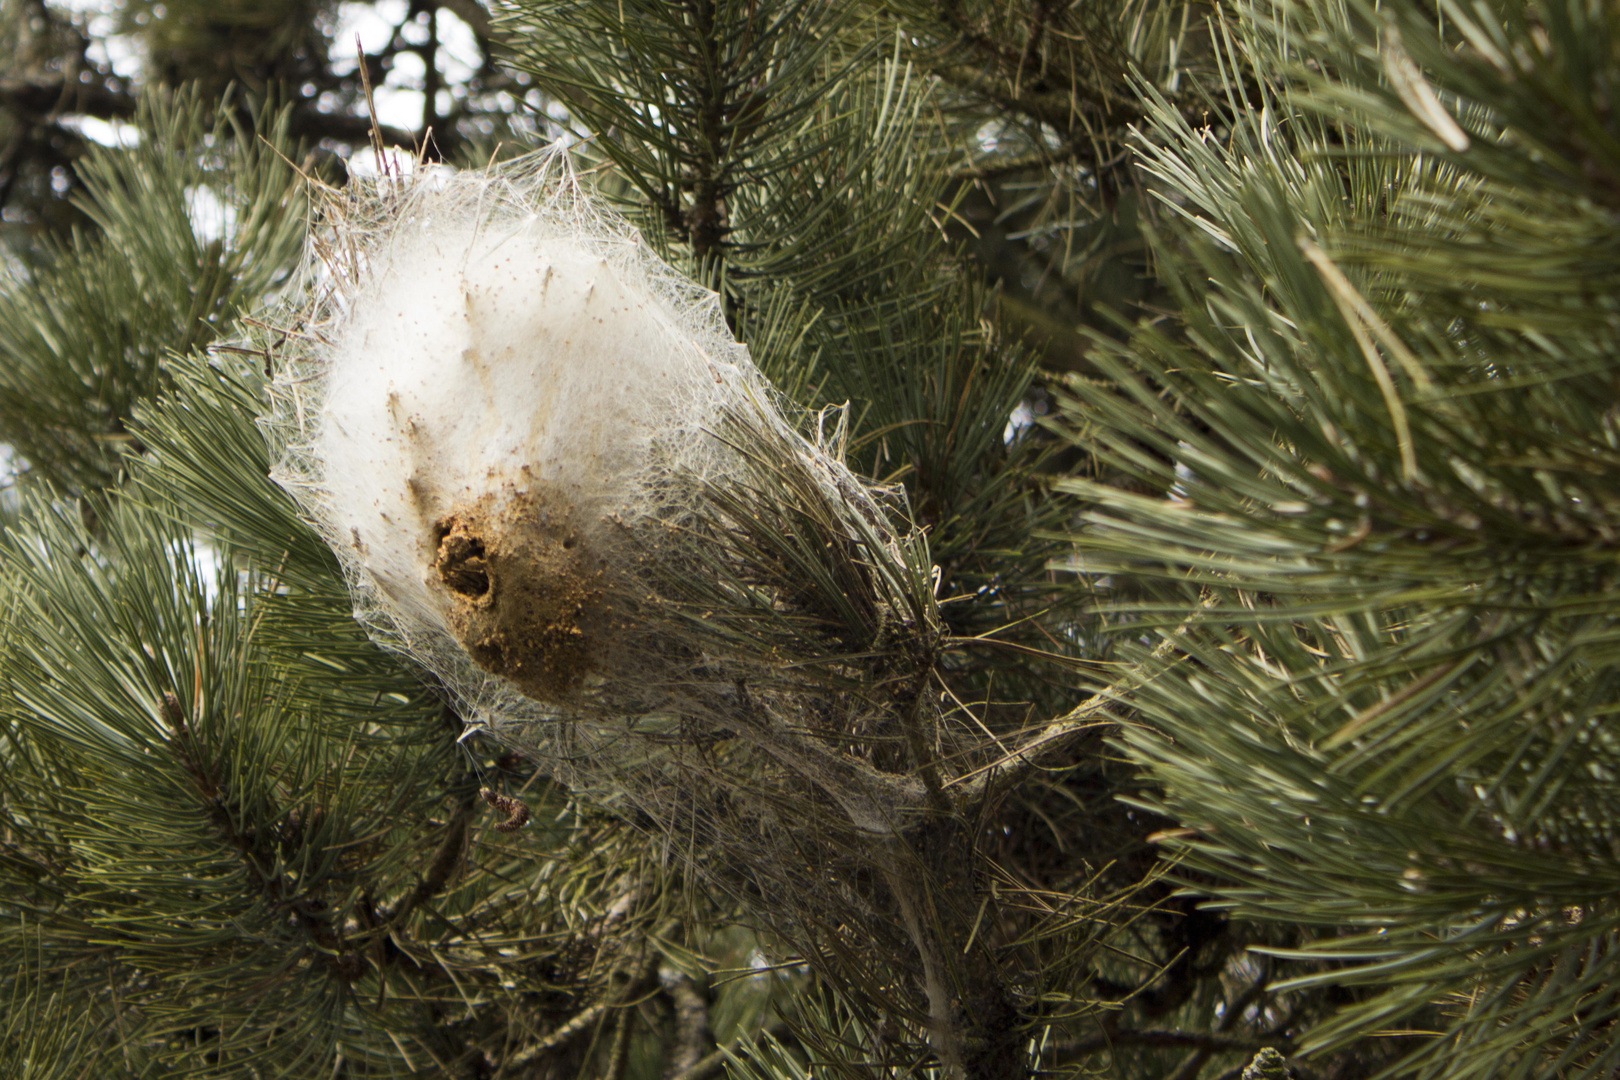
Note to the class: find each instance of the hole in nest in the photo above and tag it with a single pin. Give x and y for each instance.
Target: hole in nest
(460, 561)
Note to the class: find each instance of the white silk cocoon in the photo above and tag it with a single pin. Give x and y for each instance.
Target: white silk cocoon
(476, 362)
(488, 392)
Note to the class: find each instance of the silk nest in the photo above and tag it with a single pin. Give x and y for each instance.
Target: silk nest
(501, 409)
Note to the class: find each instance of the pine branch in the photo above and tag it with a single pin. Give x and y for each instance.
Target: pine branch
(692, 1033)
(1009, 770)
(995, 167)
(1204, 1042)
(44, 101)
(577, 1025)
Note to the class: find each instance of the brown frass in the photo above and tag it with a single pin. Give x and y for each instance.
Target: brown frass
(526, 595)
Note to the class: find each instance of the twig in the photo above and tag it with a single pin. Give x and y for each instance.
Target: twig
(1083, 717)
(371, 105)
(451, 850)
(970, 1019)
(991, 168)
(1199, 1040)
(692, 1032)
(559, 1036)
(619, 1055)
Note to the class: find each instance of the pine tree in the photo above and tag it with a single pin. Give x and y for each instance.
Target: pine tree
(873, 826)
